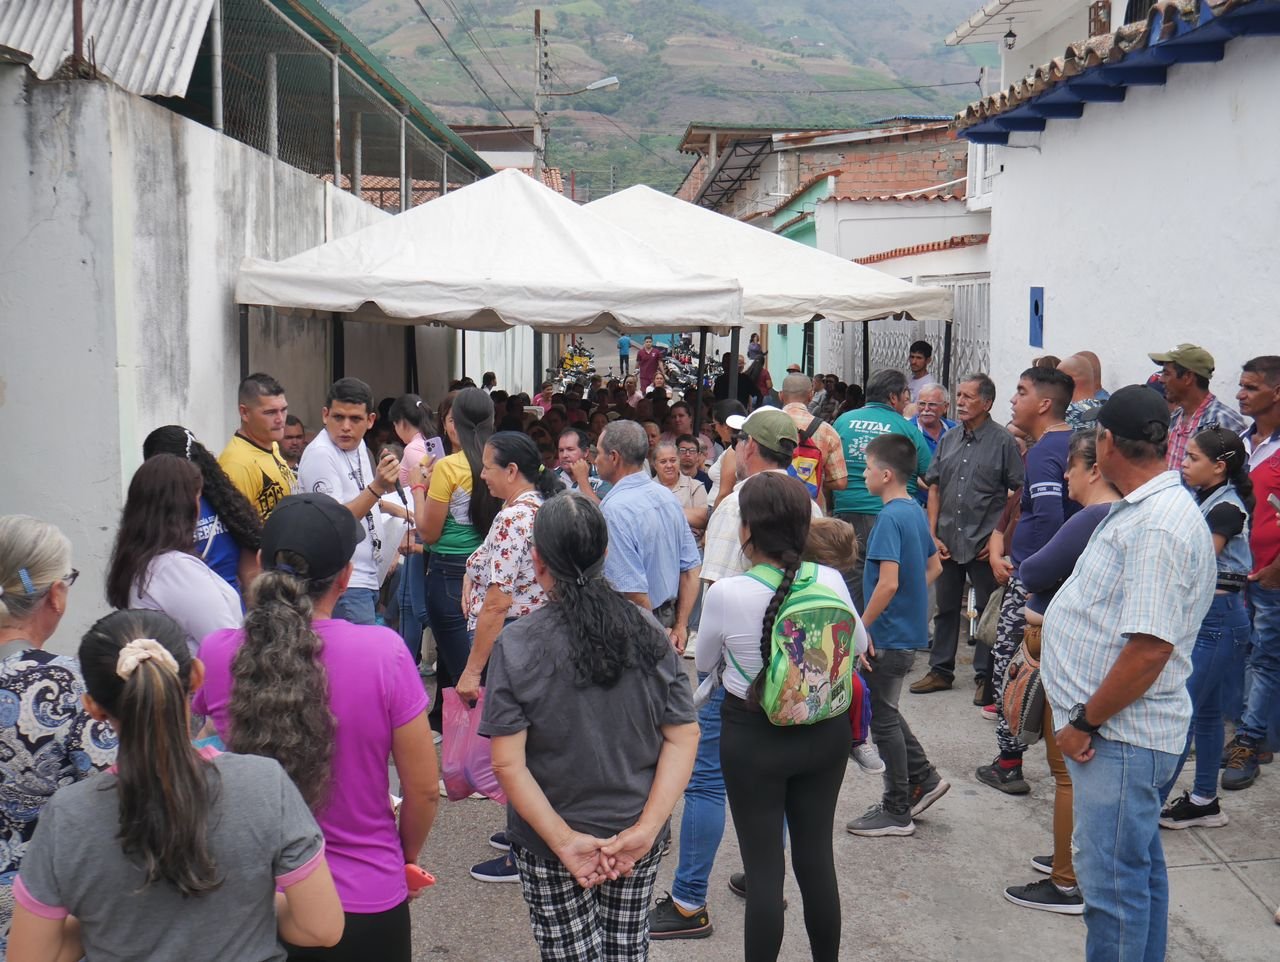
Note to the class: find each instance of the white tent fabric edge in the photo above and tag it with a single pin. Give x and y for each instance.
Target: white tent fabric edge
(503, 252)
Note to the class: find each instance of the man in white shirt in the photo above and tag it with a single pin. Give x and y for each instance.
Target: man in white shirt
(918, 358)
(337, 463)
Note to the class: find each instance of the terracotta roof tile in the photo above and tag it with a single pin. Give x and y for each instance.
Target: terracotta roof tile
(1104, 50)
(953, 243)
(804, 185)
(956, 193)
(551, 176)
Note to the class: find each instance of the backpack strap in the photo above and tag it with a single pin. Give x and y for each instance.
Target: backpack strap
(771, 577)
(808, 433)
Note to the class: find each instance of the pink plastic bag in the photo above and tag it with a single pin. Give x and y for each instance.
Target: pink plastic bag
(464, 758)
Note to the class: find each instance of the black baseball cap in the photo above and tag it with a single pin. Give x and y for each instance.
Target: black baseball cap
(1136, 413)
(314, 526)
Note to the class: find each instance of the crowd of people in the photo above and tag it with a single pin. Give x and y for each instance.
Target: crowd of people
(220, 746)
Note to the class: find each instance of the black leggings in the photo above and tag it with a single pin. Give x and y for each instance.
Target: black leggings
(770, 771)
(381, 935)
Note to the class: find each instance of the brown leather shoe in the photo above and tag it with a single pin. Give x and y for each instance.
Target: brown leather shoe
(930, 683)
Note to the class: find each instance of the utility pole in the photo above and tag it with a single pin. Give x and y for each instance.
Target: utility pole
(540, 78)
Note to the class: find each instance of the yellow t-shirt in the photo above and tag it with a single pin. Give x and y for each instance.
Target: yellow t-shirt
(260, 475)
(451, 485)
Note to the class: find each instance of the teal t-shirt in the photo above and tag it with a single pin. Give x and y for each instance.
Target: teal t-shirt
(856, 429)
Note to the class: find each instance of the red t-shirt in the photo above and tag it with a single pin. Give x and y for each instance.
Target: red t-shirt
(1264, 532)
(646, 365)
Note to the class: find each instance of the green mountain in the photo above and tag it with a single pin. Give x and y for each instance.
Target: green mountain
(787, 62)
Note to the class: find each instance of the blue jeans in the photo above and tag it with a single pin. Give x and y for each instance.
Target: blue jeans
(448, 623)
(358, 606)
(1224, 630)
(1118, 857)
(1263, 705)
(411, 594)
(702, 824)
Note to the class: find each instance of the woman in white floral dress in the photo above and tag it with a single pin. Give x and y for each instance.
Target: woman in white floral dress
(500, 585)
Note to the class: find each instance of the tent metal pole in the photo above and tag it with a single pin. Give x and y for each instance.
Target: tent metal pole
(702, 376)
(538, 373)
(946, 355)
(411, 359)
(338, 348)
(244, 341)
(735, 336)
(866, 353)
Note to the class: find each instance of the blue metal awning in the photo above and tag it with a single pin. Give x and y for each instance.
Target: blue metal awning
(1178, 39)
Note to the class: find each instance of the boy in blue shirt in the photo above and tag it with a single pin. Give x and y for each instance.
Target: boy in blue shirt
(901, 562)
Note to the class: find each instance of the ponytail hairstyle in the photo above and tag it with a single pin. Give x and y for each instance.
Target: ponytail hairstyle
(1222, 444)
(513, 447)
(279, 703)
(413, 410)
(473, 419)
(159, 515)
(241, 518)
(777, 513)
(137, 667)
(607, 633)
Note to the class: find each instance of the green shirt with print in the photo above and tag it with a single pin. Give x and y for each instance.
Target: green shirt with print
(856, 429)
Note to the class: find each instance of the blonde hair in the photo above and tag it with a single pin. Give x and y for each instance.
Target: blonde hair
(38, 550)
(832, 542)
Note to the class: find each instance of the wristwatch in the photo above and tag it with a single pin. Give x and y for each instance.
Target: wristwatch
(1076, 719)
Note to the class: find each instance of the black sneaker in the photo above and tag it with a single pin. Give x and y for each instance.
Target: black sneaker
(738, 884)
(1044, 895)
(1184, 813)
(668, 921)
(927, 792)
(1042, 863)
(1007, 780)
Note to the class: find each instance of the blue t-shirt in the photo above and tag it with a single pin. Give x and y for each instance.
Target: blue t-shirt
(215, 546)
(624, 345)
(1045, 504)
(901, 534)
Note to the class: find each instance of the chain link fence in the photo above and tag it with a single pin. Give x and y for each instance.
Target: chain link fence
(278, 97)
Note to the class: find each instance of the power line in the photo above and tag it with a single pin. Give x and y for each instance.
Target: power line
(462, 63)
(861, 90)
(483, 53)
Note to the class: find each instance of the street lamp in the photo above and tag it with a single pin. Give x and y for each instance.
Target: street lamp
(1010, 38)
(541, 75)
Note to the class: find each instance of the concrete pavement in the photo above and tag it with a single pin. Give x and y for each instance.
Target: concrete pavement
(933, 897)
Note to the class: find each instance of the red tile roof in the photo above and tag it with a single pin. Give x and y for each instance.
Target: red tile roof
(953, 243)
(955, 193)
(1105, 50)
(551, 176)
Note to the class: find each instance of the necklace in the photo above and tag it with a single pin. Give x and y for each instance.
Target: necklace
(1056, 425)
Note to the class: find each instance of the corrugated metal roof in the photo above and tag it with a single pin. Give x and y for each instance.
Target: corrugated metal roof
(145, 47)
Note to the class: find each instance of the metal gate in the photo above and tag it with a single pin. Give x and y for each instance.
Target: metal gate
(891, 339)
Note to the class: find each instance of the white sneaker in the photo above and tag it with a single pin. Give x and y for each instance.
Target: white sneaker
(868, 758)
(691, 643)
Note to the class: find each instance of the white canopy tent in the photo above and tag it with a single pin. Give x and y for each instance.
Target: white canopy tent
(783, 281)
(501, 252)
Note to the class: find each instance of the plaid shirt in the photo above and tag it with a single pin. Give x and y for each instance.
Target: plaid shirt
(1148, 569)
(722, 555)
(1210, 412)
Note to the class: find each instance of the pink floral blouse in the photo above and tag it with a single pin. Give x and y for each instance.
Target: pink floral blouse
(505, 560)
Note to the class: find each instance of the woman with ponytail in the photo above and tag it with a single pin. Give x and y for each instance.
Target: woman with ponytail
(454, 510)
(500, 584)
(330, 700)
(588, 802)
(228, 528)
(771, 770)
(176, 852)
(1216, 467)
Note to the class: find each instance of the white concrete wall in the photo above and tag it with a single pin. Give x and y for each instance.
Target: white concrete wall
(124, 227)
(59, 409)
(1148, 223)
(1057, 26)
(855, 228)
(961, 260)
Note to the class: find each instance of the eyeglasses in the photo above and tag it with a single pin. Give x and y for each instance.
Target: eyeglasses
(687, 450)
(70, 579)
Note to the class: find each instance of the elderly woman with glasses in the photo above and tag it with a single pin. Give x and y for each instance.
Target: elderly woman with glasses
(47, 739)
